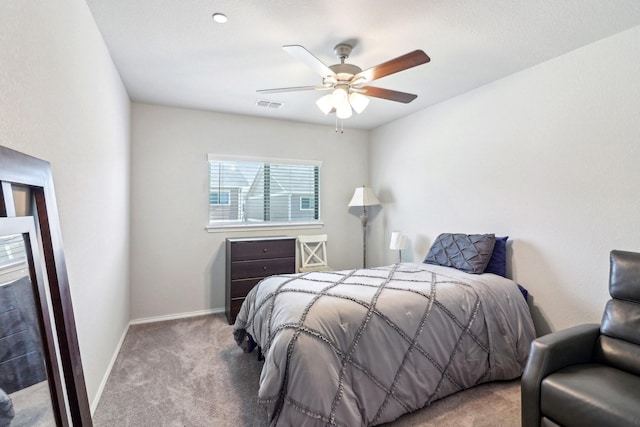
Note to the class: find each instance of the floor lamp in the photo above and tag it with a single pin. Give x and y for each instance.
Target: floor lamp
(364, 196)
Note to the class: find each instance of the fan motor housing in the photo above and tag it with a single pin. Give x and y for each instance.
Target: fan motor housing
(345, 69)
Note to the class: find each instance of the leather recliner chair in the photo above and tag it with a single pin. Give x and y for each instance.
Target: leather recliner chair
(589, 375)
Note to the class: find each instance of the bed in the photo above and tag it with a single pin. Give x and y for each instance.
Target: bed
(362, 347)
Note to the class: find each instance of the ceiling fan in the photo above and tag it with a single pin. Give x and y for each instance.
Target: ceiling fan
(348, 83)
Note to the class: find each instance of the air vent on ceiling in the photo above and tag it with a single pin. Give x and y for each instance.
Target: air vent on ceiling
(269, 104)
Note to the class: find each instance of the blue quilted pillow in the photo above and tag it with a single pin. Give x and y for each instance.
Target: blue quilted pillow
(498, 261)
(465, 252)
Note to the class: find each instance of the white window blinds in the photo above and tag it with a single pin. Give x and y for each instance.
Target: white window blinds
(250, 191)
(13, 259)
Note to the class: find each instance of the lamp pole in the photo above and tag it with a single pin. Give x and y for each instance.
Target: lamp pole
(364, 218)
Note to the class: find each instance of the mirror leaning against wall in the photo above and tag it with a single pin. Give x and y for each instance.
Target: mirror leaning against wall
(24, 388)
(41, 376)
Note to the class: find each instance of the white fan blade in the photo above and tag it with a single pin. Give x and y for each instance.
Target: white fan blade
(292, 89)
(310, 59)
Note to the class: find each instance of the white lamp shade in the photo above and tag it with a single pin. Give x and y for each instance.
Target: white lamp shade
(339, 98)
(324, 104)
(399, 241)
(343, 102)
(364, 196)
(358, 102)
(344, 111)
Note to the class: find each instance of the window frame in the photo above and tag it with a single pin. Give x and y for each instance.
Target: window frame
(264, 225)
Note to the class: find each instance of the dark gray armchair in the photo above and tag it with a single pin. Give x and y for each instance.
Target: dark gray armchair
(589, 375)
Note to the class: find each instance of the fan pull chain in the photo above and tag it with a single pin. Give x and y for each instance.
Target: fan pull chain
(341, 130)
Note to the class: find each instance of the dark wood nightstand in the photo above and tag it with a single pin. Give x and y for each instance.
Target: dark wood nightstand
(249, 260)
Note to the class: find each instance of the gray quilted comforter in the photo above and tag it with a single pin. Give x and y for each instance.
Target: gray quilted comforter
(362, 347)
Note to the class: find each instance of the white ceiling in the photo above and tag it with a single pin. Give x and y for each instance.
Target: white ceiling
(171, 52)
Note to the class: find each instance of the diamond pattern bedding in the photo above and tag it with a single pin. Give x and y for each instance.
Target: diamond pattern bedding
(362, 347)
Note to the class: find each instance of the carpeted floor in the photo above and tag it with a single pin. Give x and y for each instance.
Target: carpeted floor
(32, 406)
(189, 372)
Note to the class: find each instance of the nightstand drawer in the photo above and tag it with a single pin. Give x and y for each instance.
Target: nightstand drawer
(262, 268)
(16, 345)
(262, 249)
(241, 287)
(11, 322)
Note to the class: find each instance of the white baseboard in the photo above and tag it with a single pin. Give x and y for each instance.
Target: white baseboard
(96, 400)
(175, 316)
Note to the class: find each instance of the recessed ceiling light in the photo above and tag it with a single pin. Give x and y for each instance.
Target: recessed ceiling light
(220, 18)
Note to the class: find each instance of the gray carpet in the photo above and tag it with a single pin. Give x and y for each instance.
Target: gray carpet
(189, 372)
(32, 406)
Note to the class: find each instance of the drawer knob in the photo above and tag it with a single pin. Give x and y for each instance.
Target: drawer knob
(264, 268)
(264, 249)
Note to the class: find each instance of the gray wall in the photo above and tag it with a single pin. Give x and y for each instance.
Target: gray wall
(61, 99)
(176, 265)
(548, 156)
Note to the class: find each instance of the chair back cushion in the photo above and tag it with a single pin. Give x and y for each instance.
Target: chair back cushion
(619, 344)
(621, 320)
(624, 276)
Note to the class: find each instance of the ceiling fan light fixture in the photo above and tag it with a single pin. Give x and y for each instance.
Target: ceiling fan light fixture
(344, 111)
(347, 81)
(324, 104)
(358, 102)
(339, 98)
(329, 81)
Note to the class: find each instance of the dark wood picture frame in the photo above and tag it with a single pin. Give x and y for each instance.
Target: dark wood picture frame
(24, 171)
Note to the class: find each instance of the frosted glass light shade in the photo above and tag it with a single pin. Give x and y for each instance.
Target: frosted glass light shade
(399, 241)
(324, 104)
(339, 98)
(344, 111)
(343, 103)
(358, 102)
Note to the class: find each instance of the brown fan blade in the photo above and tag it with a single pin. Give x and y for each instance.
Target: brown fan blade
(310, 59)
(401, 63)
(391, 95)
(292, 89)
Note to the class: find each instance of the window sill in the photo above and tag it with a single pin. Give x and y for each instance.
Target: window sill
(259, 227)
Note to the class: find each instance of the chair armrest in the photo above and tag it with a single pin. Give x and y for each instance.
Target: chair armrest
(548, 354)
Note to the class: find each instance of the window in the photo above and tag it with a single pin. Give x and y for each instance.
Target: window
(246, 192)
(13, 258)
(220, 197)
(307, 203)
